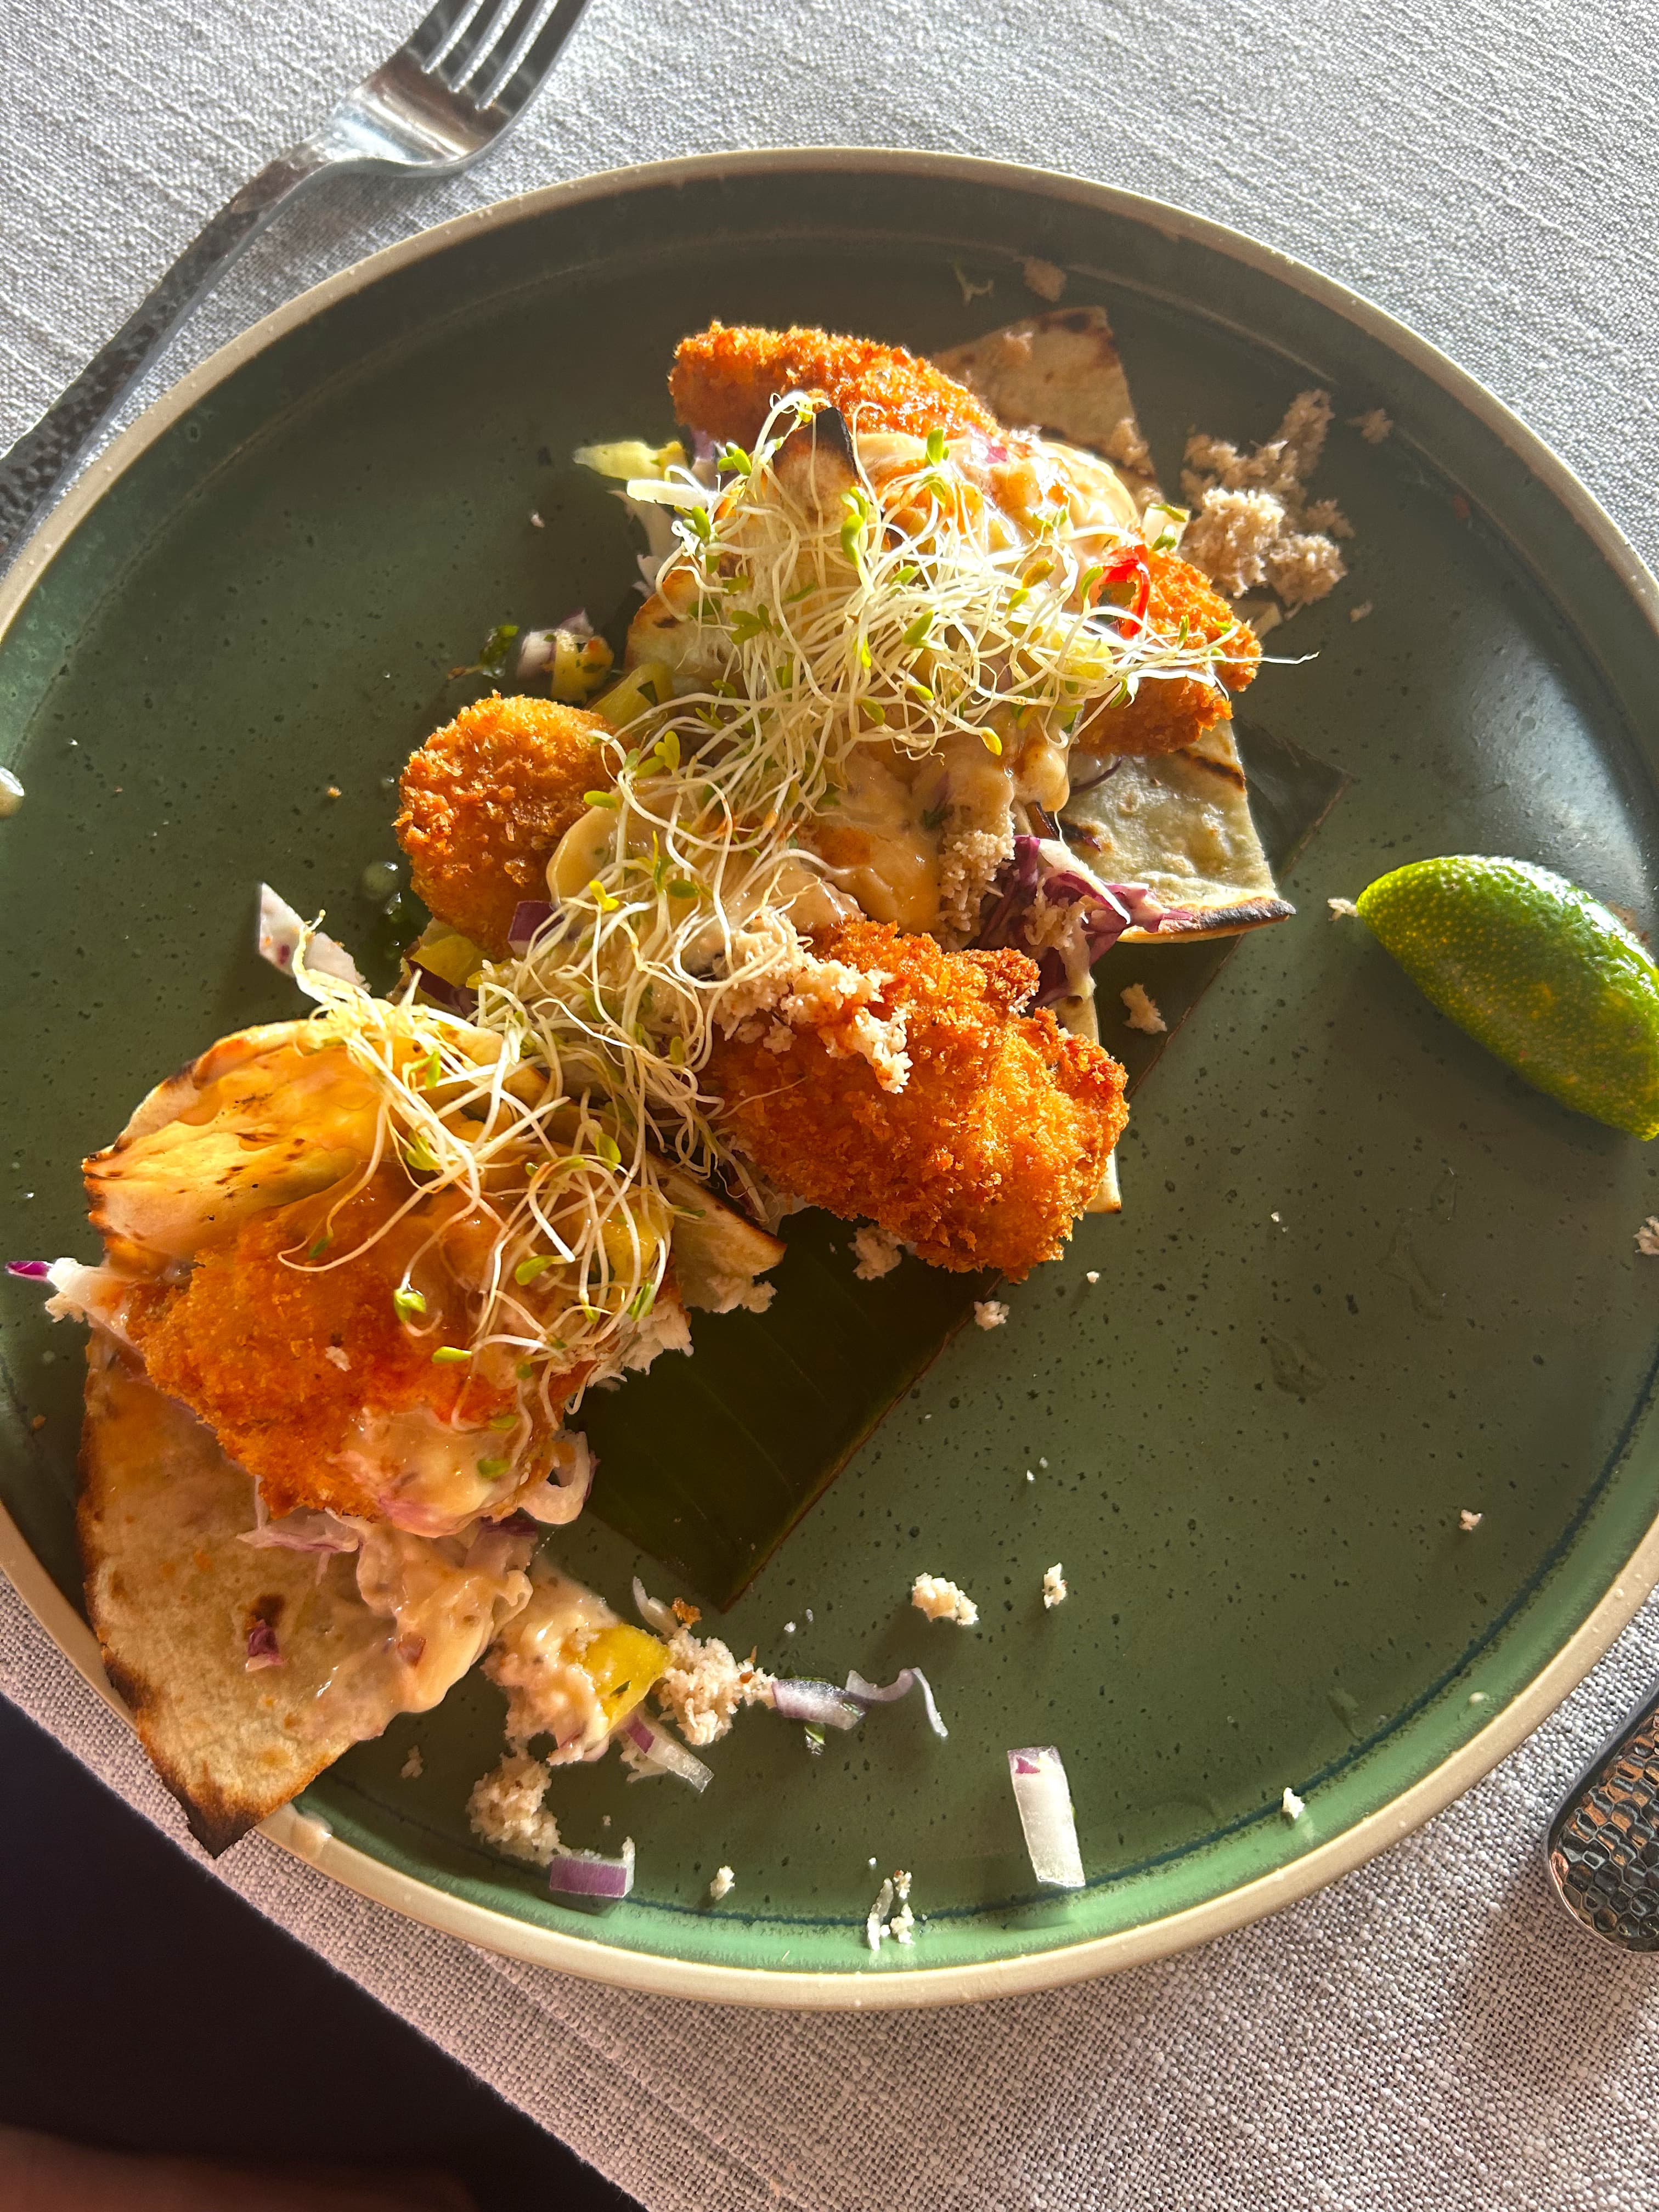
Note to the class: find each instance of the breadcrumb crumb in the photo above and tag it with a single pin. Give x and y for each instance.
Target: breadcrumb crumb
(1373, 426)
(942, 1601)
(1291, 1805)
(724, 1883)
(1045, 278)
(414, 1765)
(989, 1313)
(878, 1926)
(1341, 908)
(504, 1809)
(879, 1253)
(1466, 1520)
(1359, 613)
(1093, 1275)
(1647, 1238)
(1143, 1014)
(1054, 1592)
(843, 1007)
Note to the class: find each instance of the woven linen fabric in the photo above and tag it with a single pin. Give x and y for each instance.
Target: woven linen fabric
(1432, 2031)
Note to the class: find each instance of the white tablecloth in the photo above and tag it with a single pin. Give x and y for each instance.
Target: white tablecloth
(1432, 2033)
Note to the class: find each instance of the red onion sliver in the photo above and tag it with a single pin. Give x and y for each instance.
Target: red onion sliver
(908, 1678)
(586, 1874)
(278, 935)
(659, 1750)
(36, 1271)
(263, 1649)
(820, 1703)
(1044, 1800)
(453, 997)
(654, 1613)
(529, 917)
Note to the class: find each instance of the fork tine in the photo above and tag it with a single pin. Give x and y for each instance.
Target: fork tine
(526, 81)
(453, 68)
(431, 36)
(496, 66)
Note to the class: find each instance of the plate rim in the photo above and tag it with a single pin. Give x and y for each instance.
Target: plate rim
(916, 1986)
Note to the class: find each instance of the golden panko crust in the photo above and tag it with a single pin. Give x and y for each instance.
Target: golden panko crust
(245, 1342)
(1167, 712)
(998, 1141)
(725, 378)
(486, 800)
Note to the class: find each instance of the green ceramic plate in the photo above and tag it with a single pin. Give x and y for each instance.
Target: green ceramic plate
(1365, 1279)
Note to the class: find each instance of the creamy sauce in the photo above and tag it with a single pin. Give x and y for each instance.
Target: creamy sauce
(424, 1474)
(536, 1659)
(444, 1601)
(877, 846)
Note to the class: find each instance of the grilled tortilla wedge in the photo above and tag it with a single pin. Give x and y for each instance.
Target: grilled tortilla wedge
(1179, 823)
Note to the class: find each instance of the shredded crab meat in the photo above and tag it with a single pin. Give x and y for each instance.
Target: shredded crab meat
(878, 1253)
(969, 864)
(704, 1686)
(504, 1809)
(1252, 525)
(841, 1004)
(942, 1601)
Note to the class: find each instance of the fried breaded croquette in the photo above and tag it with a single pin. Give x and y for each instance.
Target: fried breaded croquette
(1169, 712)
(996, 1142)
(725, 379)
(303, 1372)
(486, 800)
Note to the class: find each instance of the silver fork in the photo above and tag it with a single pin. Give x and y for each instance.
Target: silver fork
(449, 95)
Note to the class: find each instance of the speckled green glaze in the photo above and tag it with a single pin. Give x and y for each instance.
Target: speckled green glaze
(1364, 1277)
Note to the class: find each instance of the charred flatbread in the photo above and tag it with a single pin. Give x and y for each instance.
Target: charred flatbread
(1180, 823)
(249, 1670)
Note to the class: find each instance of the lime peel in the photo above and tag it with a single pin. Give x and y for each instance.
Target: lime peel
(1542, 974)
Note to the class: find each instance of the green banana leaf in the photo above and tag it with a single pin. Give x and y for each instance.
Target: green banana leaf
(708, 1463)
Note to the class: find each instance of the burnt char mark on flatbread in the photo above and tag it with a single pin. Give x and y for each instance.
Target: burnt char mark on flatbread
(1229, 771)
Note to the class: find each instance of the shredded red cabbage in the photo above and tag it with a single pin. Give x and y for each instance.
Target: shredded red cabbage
(36, 1271)
(530, 918)
(302, 1531)
(585, 1874)
(1104, 912)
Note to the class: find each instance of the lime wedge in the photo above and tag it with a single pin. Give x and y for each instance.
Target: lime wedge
(1537, 971)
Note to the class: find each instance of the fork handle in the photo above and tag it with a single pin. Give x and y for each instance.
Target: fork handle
(37, 465)
(1602, 1849)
